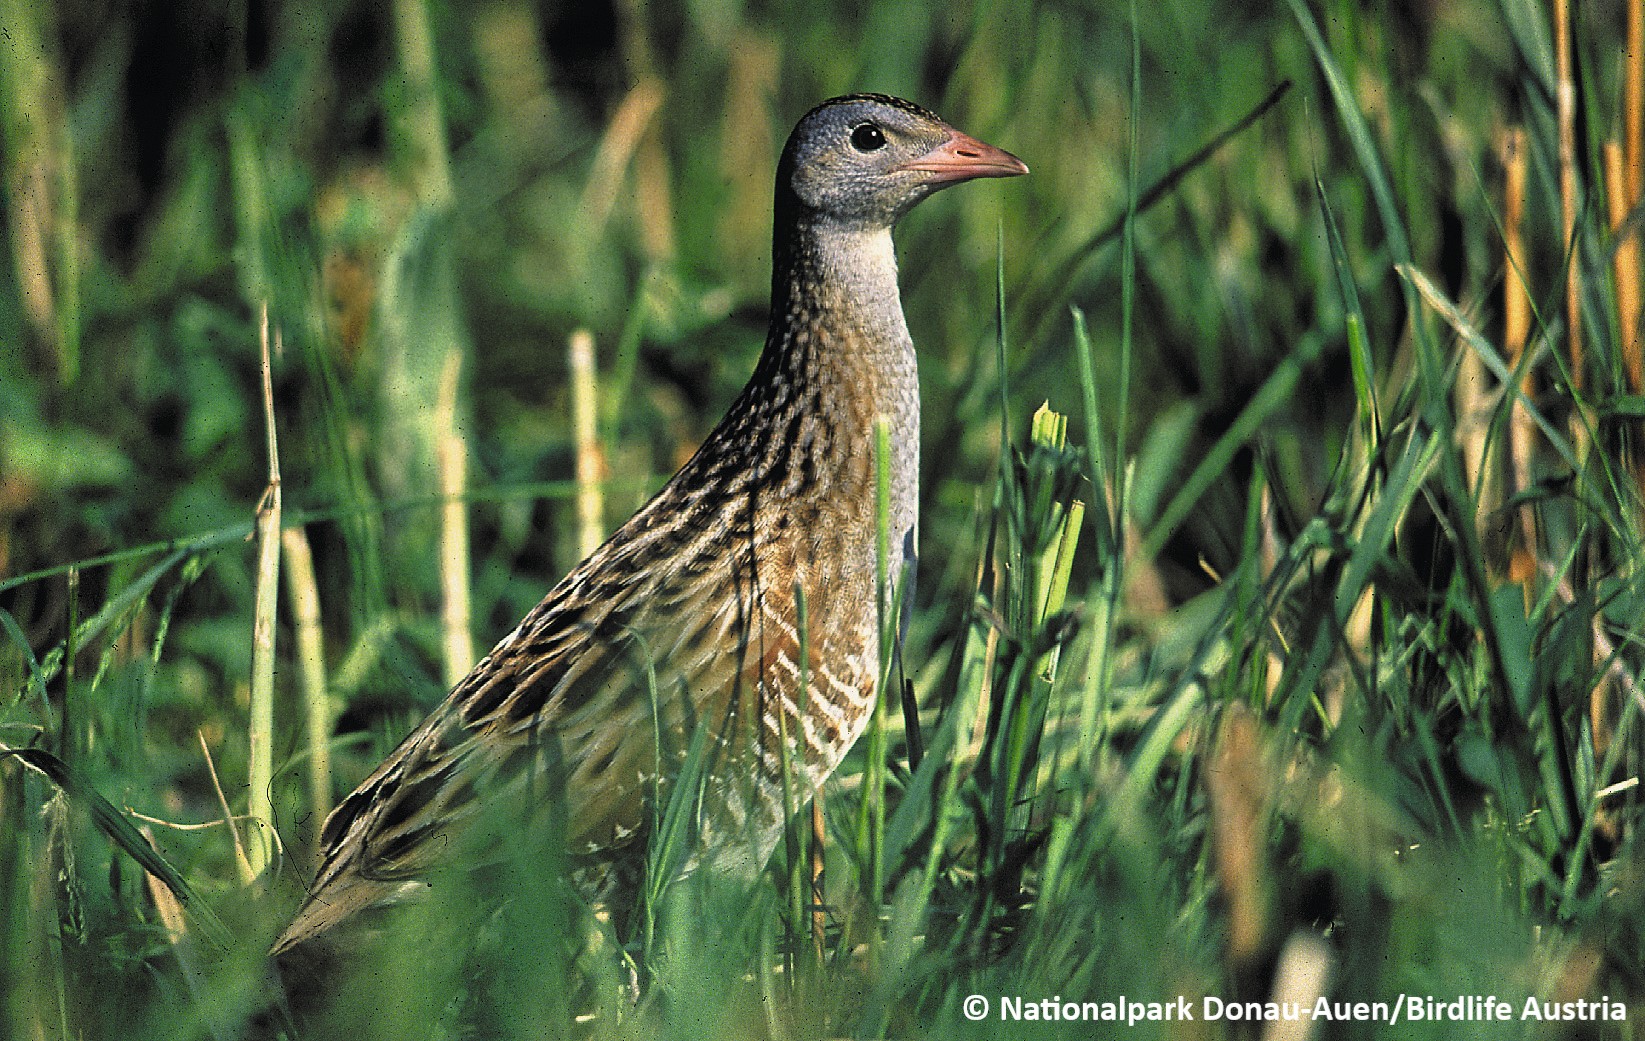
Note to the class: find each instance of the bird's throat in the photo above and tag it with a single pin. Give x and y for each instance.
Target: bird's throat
(837, 323)
(838, 336)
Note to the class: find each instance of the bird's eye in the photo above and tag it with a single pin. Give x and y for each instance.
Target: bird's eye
(867, 138)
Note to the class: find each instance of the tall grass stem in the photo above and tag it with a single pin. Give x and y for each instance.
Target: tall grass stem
(1626, 273)
(304, 593)
(590, 464)
(422, 119)
(1633, 102)
(1569, 203)
(260, 736)
(451, 465)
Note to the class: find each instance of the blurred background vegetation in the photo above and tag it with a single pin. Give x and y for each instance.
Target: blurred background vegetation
(1303, 479)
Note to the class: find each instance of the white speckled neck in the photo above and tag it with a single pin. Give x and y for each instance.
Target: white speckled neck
(842, 280)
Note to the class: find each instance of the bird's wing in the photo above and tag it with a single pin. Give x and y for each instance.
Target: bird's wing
(658, 633)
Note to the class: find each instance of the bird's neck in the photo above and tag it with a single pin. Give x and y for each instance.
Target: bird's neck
(839, 338)
(837, 323)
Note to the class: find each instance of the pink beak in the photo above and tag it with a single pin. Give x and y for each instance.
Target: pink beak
(962, 157)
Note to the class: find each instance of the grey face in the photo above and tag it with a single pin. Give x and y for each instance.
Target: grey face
(862, 160)
(849, 160)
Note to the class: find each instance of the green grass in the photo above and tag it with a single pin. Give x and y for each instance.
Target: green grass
(1235, 683)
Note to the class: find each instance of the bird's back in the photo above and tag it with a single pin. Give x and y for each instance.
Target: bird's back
(685, 619)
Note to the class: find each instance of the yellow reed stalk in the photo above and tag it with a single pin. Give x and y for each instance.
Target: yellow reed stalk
(617, 149)
(260, 737)
(304, 592)
(585, 432)
(819, 917)
(1633, 102)
(242, 862)
(1516, 301)
(1624, 266)
(1568, 201)
(451, 460)
(1516, 331)
(39, 174)
(653, 199)
(1238, 786)
(1475, 407)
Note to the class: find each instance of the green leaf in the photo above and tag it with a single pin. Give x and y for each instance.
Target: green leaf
(113, 823)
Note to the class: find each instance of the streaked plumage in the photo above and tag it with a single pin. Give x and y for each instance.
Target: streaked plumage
(685, 618)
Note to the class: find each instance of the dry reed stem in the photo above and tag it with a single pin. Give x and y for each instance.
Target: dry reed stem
(1633, 102)
(653, 197)
(172, 919)
(260, 737)
(451, 460)
(585, 432)
(30, 215)
(616, 151)
(242, 863)
(1516, 331)
(1474, 401)
(37, 178)
(1516, 302)
(1238, 789)
(1624, 266)
(304, 592)
(819, 917)
(1567, 186)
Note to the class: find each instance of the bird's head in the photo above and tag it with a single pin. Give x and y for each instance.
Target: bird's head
(863, 159)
